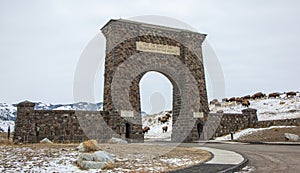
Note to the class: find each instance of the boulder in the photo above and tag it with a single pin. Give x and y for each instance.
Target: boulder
(117, 141)
(46, 141)
(83, 164)
(291, 137)
(103, 156)
(96, 160)
(90, 145)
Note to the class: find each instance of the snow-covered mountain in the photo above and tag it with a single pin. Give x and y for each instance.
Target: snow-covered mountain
(72, 106)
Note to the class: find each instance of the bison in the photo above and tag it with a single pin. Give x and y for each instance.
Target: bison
(246, 103)
(225, 100)
(292, 94)
(274, 95)
(146, 129)
(239, 100)
(232, 99)
(247, 97)
(163, 120)
(168, 115)
(258, 95)
(165, 129)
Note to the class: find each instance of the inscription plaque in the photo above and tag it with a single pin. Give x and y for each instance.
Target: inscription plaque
(127, 113)
(157, 48)
(198, 115)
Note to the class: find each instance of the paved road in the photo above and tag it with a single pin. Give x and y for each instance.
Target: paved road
(265, 158)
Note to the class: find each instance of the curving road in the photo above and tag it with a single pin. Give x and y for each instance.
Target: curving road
(264, 158)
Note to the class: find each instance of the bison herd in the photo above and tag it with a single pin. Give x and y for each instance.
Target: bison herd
(244, 101)
(164, 119)
(161, 120)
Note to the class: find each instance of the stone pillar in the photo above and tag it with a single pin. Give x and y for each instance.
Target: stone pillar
(252, 114)
(25, 130)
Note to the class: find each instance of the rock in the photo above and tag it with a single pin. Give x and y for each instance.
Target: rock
(46, 140)
(291, 137)
(90, 164)
(103, 156)
(85, 156)
(282, 103)
(90, 145)
(96, 160)
(117, 141)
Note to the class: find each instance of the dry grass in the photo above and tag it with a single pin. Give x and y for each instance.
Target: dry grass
(271, 135)
(91, 145)
(137, 157)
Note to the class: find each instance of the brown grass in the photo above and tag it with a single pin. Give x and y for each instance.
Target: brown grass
(91, 145)
(271, 135)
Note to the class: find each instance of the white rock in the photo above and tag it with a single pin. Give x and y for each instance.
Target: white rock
(46, 140)
(117, 141)
(96, 160)
(80, 148)
(85, 156)
(103, 156)
(292, 137)
(90, 164)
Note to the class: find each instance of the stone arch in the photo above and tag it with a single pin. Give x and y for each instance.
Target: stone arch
(125, 64)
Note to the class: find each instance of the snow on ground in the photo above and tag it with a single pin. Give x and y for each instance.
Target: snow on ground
(25, 159)
(62, 158)
(267, 109)
(247, 169)
(248, 131)
(156, 126)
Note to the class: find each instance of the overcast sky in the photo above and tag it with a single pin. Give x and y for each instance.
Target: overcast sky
(256, 42)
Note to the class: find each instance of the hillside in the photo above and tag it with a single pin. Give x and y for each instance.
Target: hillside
(267, 108)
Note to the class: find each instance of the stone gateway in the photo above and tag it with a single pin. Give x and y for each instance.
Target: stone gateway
(132, 50)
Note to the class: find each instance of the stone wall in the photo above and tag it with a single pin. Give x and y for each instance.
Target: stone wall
(224, 124)
(66, 126)
(285, 122)
(219, 124)
(61, 125)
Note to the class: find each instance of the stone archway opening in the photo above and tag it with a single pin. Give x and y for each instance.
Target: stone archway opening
(199, 129)
(156, 99)
(128, 130)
